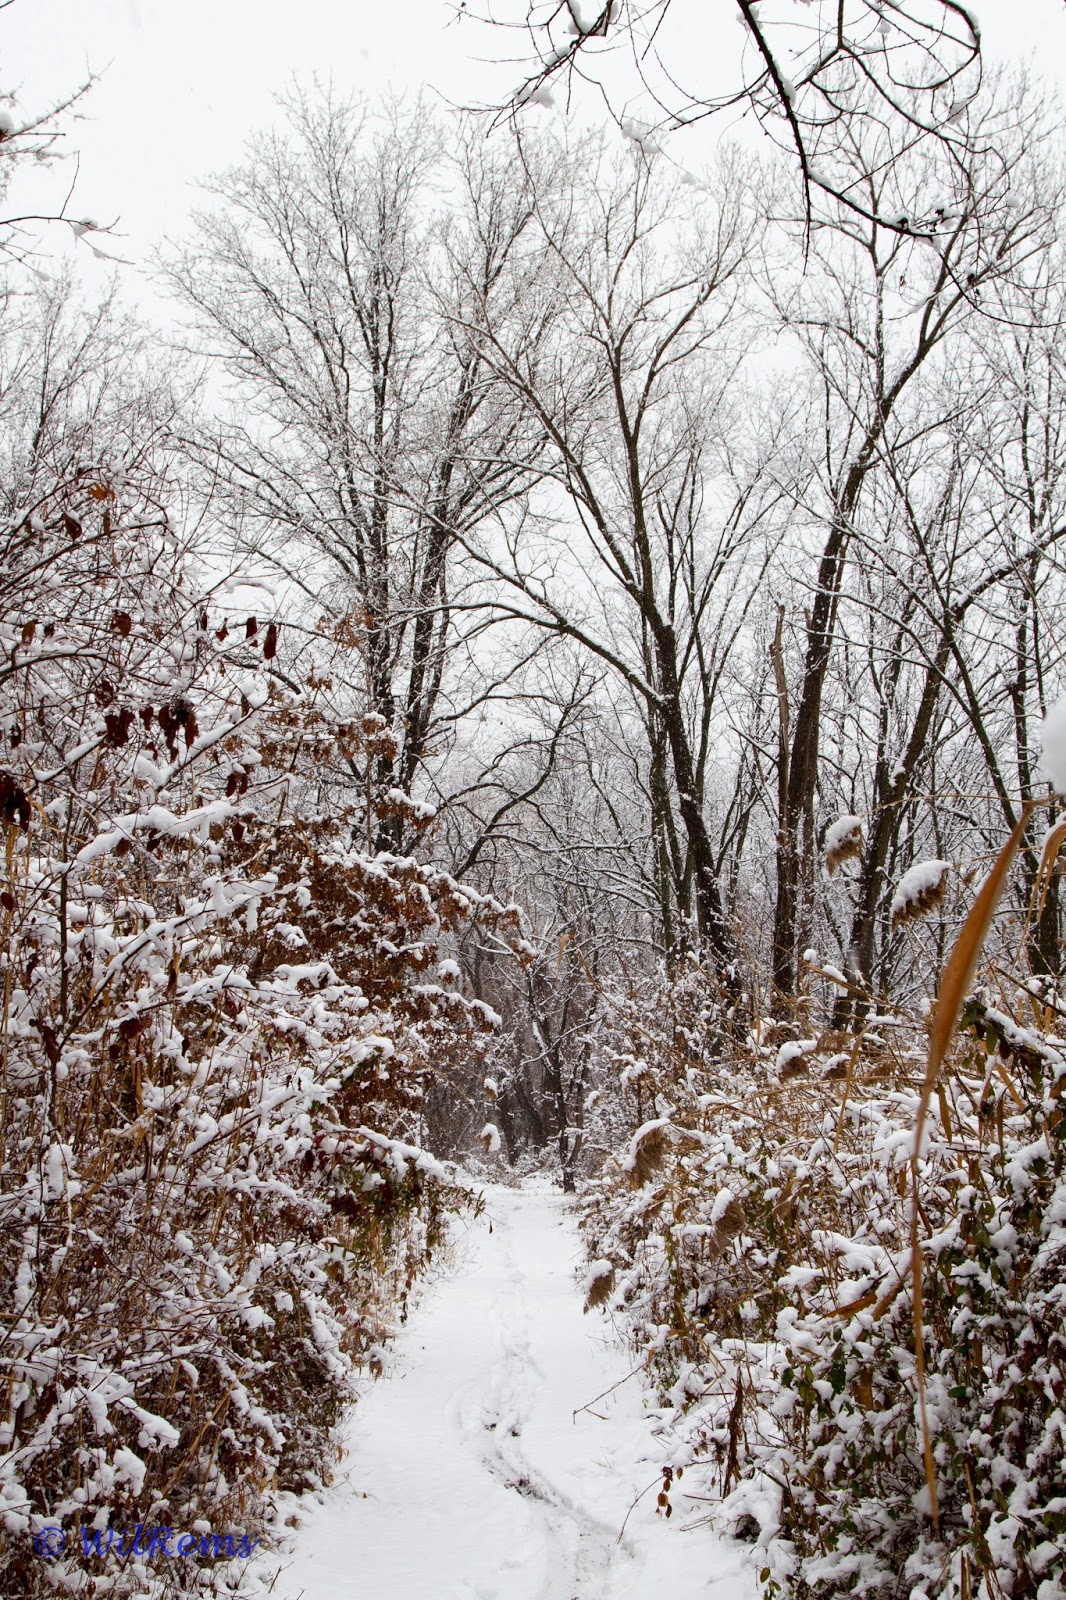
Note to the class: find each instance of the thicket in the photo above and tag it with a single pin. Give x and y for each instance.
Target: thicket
(755, 1237)
(221, 1006)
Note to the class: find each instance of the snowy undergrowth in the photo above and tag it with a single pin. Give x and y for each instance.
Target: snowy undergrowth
(219, 1017)
(754, 1236)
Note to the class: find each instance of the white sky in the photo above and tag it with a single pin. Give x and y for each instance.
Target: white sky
(185, 81)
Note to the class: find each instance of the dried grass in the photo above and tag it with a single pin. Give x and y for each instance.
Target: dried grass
(920, 902)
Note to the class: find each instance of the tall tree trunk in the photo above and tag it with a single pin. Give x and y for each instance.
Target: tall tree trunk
(890, 788)
(1043, 944)
(821, 632)
(803, 756)
(660, 804)
(714, 931)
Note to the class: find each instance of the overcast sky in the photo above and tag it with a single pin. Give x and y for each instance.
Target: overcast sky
(183, 82)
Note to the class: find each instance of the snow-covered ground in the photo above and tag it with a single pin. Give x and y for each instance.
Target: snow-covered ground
(501, 1455)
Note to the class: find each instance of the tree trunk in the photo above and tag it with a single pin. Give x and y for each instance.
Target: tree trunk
(714, 931)
(890, 787)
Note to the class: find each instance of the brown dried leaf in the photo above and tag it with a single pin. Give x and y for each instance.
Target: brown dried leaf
(600, 1291)
(848, 847)
(919, 902)
(648, 1156)
(956, 980)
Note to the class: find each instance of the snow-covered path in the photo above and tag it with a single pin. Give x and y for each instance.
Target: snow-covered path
(473, 1474)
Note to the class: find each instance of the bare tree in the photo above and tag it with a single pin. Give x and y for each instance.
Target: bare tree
(366, 434)
(634, 561)
(873, 322)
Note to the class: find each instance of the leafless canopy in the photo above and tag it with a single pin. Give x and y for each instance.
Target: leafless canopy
(803, 67)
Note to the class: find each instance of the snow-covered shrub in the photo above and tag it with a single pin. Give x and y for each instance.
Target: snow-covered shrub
(993, 1209)
(760, 1256)
(218, 1025)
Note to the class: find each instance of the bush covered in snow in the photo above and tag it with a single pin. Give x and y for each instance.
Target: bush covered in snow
(755, 1237)
(218, 1027)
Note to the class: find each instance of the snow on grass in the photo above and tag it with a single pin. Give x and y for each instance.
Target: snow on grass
(794, 1050)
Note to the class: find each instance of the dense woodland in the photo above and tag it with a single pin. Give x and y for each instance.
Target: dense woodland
(530, 667)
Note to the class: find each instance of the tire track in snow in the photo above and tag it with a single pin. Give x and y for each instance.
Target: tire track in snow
(467, 1474)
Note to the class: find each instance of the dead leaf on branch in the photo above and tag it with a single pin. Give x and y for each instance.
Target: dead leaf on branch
(14, 801)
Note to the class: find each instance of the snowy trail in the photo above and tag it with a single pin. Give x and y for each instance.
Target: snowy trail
(468, 1477)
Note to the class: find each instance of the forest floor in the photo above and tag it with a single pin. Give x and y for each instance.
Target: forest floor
(500, 1455)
